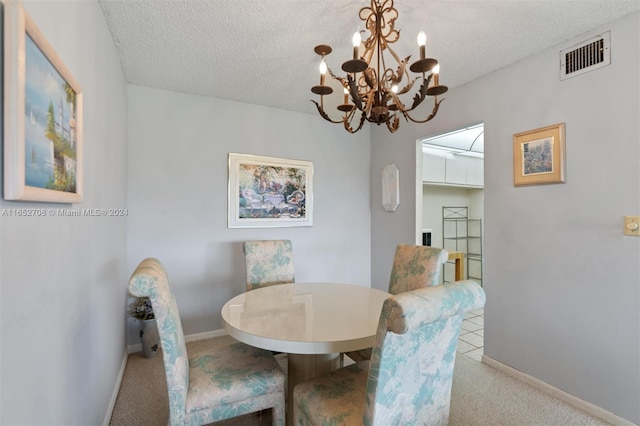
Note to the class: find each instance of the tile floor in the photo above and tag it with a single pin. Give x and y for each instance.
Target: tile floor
(471, 341)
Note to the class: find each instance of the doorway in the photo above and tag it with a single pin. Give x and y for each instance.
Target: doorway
(452, 212)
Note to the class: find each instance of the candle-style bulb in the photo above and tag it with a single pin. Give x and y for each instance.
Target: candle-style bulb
(356, 39)
(356, 44)
(323, 67)
(436, 70)
(422, 38)
(323, 71)
(422, 41)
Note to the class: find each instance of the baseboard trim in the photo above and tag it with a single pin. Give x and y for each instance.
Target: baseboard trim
(189, 338)
(572, 400)
(205, 335)
(116, 389)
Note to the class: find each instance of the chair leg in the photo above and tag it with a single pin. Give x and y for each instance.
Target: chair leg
(278, 414)
(341, 359)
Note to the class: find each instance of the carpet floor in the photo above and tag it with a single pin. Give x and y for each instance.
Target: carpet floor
(481, 396)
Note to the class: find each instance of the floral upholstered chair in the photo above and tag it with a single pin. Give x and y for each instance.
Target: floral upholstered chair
(408, 379)
(207, 387)
(416, 267)
(268, 262)
(413, 267)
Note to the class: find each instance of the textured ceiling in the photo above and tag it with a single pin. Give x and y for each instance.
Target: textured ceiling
(261, 51)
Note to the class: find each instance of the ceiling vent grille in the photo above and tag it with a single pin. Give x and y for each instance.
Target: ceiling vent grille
(586, 56)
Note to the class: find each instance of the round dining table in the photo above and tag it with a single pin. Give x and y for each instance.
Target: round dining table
(312, 322)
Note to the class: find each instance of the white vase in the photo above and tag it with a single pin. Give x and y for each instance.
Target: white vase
(149, 338)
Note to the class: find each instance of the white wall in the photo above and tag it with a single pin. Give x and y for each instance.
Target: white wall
(63, 279)
(562, 281)
(178, 153)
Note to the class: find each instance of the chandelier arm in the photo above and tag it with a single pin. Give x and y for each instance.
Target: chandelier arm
(393, 126)
(394, 54)
(367, 55)
(324, 114)
(368, 105)
(433, 113)
(396, 100)
(370, 78)
(400, 72)
(408, 86)
(422, 93)
(355, 94)
(401, 106)
(347, 123)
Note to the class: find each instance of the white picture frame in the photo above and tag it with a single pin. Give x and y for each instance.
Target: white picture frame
(42, 116)
(268, 192)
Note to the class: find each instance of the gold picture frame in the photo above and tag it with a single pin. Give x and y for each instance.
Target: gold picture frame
(539, 155)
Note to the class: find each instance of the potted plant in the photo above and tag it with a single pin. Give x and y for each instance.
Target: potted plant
(142, 310)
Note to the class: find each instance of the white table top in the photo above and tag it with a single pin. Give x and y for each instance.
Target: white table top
(305, 318)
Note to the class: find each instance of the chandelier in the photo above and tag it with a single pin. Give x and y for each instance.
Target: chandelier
(375, 83)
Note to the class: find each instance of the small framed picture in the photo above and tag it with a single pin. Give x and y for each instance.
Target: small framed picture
(42, 116)
(266, 192)
(539, 155)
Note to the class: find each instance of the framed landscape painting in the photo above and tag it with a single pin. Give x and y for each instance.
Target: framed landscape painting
(267, 192)
(538, 156)
(42, 117)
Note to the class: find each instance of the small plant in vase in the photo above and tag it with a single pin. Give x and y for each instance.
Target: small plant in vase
(142, 310)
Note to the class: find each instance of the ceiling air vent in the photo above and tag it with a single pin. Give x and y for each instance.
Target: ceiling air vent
(586, 56)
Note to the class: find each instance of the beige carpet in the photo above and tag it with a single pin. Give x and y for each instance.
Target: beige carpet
(481, 396)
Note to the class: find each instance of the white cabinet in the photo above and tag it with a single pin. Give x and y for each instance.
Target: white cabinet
(433, 168)
(475, 171)
(458, 170)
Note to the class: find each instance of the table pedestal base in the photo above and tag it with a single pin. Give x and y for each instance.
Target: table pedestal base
(303, 367)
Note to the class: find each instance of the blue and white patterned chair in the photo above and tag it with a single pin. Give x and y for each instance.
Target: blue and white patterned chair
(416, 267)
(408, 379)
(413, 267)
(268, 262)
(207, 387)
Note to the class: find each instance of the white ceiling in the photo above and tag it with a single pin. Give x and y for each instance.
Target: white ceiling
(468, 140)
(261, 51)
